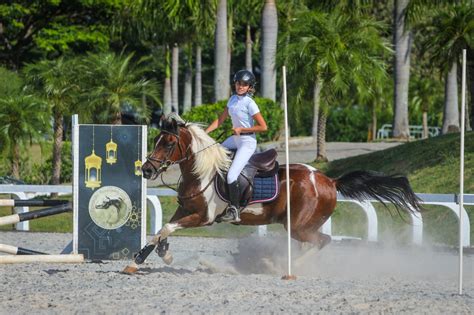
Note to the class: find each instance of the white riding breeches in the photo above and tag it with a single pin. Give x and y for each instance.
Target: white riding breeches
(246, 146)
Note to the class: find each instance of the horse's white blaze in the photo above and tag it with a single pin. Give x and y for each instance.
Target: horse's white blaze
(158, 141)
(312, 178)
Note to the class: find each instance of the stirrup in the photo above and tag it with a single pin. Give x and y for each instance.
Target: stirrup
(231, 215)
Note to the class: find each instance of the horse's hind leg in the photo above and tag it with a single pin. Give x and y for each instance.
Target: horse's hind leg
(316, 238)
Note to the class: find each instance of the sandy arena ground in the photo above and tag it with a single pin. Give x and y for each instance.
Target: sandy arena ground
(239, 276)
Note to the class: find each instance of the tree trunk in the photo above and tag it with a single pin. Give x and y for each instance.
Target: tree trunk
(16, 160)
(425, 133)
(230, 27)
(198, 77)
(269, 45)
(57, 147)
(248, 50)
(117, 120)
(174, 78)
(316, 101)
(188, 87)
(167, 85)
(321, 155)
(402, 41)
(451, 109)
(470, 88)
(221, 86)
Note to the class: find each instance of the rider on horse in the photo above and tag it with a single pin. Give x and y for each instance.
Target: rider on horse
(243, 111)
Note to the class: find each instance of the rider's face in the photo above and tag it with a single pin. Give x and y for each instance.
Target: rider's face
(241, 87)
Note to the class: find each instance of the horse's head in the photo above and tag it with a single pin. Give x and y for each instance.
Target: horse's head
(171, 147)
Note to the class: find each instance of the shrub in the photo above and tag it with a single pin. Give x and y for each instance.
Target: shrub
(351, 123)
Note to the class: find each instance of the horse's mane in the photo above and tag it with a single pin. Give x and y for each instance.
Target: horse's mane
(210, 157)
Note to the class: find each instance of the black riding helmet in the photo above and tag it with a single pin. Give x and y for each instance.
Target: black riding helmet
(245, 76)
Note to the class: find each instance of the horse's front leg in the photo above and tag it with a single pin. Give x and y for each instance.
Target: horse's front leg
(193, 220)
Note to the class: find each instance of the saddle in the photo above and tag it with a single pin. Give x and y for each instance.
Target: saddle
(258, 180)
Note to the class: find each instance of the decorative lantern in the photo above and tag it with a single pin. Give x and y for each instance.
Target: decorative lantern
(138, 167)
(111, 150)
(93, 164)
(138, 162)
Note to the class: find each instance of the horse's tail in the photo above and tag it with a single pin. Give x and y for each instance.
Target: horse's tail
(362, 185)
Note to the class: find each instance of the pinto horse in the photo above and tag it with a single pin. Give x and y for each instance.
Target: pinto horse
(313, 195)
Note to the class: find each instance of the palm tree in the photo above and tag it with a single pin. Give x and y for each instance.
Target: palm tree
(451, 32)
(330, 52)
(221, 70)
(55, 80)
(269, 44)
(113, 81)
(23, 118)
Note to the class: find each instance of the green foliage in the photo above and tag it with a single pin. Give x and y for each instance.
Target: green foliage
(39, 173)
(10, 83)
(23, 118)
(35, 28)
(351, 123)
(347, 124)
(206, 114)
(112, 81)
(152, 133)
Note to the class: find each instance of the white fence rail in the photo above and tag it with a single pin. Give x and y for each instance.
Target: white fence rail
(416, 131)
(153, 204)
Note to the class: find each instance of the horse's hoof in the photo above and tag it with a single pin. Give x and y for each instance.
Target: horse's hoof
(130, 269)
(168, 258)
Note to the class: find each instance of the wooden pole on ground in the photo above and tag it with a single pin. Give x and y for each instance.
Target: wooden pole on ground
(18, 250)
(13, 259)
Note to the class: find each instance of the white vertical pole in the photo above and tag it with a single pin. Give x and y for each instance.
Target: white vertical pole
(75, 182)
(288, 215)
(461, 175)
(144, 134)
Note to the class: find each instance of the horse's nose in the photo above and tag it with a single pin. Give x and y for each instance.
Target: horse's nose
(147, 171)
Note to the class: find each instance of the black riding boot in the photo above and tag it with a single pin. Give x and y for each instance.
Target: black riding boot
(233, 210)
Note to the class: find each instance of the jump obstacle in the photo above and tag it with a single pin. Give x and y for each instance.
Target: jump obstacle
(111, 172)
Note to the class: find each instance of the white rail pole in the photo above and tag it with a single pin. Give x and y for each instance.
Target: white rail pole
(288, 206)
(461, 174)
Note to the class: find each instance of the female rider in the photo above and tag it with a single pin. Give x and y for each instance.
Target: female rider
(243, 111)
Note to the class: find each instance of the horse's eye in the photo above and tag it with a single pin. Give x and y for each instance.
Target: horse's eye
(170, 145)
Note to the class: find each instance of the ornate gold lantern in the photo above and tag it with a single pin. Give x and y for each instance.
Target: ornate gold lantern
(93, 175)
(111, 150)
(138, 168)
(138, 162)
(93, 171)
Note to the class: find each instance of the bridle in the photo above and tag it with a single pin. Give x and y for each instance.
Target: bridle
(166, 162)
